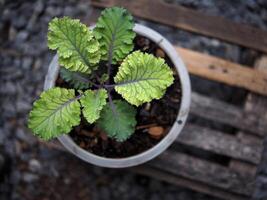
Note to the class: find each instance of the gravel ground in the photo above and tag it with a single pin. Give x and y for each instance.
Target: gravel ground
(31, 171)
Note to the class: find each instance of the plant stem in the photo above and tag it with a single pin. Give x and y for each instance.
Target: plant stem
(97, 77)
(111, 104)
(84, 79)
(111, 86)
(110, 54)
(94, 84)
(78, 97)
(109, 70)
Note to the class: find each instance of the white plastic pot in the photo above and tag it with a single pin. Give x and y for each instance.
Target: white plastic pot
(166, 141)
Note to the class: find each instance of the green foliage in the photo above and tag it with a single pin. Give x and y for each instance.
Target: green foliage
(93, 102)
(118, 122)
(78, 80)
(104, 78)
(77, 48)
(142, 77)
(55, 113)
(114, 33)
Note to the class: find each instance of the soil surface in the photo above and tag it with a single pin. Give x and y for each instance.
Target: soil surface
(154, 119)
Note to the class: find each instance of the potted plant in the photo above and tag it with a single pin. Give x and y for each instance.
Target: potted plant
(107, 103)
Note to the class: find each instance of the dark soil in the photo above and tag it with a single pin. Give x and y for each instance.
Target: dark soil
(158, 113)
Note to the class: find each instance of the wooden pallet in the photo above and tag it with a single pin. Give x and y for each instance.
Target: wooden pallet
(227, 162)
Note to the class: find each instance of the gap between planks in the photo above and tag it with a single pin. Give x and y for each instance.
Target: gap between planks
(225, 113)
(221, 143)
(215, 175)
(209, 140)
(212, 141)
(193, 21)
(216, 69)
(184, 182)
(200, 171)
(256, 104)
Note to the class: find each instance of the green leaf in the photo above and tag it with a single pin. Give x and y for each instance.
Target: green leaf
(104, 78)
(78, 80)
(142, 78)
(114, 32)
(77, 48)
(93, 102)
(55, 113)
(119, 122)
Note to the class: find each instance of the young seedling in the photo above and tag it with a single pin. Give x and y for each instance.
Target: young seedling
(83, 55)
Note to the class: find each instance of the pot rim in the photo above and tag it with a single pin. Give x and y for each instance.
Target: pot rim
(151, 153)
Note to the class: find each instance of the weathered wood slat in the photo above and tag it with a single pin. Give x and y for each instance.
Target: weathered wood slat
(243, 167)
(175, 167)
(259, 104)
(184, 182)
(210, 140)
(217, 69)
(194, 21)
(220, 143)
(203, 171)
(220, 111)
(256, 104)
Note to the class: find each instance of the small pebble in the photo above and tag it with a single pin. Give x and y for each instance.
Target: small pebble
(22, 36)
(34, 165)
(160, 53)
(156, 132)
(27, 63)
(29, 177)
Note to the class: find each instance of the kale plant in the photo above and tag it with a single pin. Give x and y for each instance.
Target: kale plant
(140, 77)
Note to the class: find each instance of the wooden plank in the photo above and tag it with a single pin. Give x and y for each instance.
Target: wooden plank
(225, 113)
(216, 69)
(258, 104)
(193, 21)
(184, 182)
(243, 167)
(220, 143)
(203, 171)
(255, 102)
(210, 140)
(198, 174)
